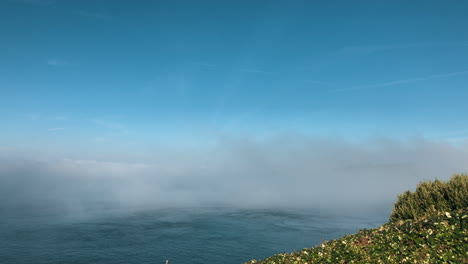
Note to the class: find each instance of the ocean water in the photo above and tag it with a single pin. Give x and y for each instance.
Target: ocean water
(208, 235)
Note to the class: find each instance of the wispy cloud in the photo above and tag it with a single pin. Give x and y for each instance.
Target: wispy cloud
(110, 125)
(89, 14)
(202, 64)
(53, 129)
(56, 62)
(212, 66)
(403, 81)
(256, 71)
(320, 83)
(31, 115)
(369, 49)
(36, 2)
(81, 12)
(61, 118)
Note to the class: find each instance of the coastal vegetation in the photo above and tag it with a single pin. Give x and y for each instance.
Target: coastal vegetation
(432, 198)
(428, 225)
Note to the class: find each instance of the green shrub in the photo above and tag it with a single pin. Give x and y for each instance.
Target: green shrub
(431, 198)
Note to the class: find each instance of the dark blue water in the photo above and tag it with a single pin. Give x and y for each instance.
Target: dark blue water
(179, 235)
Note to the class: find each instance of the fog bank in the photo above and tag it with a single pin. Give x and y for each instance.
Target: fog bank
(277, 173)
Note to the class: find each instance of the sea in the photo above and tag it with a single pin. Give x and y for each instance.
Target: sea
(181, 235)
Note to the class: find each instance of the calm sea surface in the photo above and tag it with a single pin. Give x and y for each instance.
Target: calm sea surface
(180, 235)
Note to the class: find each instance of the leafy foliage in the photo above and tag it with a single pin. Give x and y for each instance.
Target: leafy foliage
(427, 226)
(431, 198)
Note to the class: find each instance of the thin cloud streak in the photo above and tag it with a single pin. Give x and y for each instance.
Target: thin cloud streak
(55, 129)
(56, 62)
(94, 15)
(110, 125)
(256, 71)
(404, 81)
(320, 83)
(369, 49)
(202, 64)
(35, 2)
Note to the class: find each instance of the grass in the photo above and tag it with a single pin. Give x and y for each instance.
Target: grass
(426, 226)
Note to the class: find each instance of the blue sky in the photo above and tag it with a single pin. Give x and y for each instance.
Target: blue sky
(89, 75)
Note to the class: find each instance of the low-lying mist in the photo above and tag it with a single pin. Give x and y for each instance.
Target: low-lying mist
(277, 173)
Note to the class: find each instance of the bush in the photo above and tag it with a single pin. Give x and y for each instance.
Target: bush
(432, 198)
